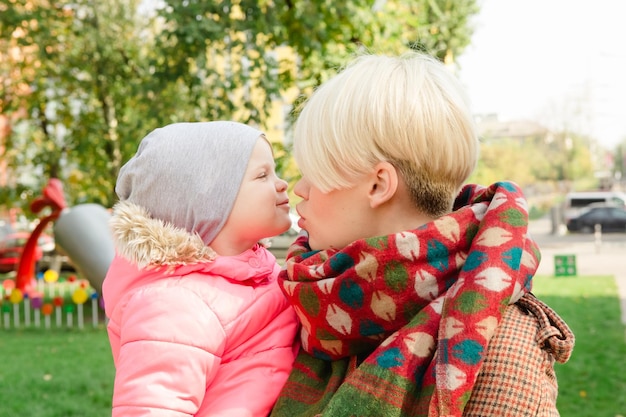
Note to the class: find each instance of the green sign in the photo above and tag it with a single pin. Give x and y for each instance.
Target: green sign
(565, 265)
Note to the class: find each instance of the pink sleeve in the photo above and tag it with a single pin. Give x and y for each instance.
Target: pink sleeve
(171, 344)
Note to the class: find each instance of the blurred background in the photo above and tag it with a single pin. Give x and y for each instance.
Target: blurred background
(81, 82)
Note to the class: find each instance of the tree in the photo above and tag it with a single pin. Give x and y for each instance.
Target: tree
(547, 161)
(79, 81)
(92, 78)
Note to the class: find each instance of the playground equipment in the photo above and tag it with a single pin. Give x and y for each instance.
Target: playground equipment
(81, 232)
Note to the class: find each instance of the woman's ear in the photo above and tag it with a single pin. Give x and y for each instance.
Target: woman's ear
(384, 184)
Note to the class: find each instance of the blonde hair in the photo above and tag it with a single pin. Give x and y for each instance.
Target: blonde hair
(408, 110)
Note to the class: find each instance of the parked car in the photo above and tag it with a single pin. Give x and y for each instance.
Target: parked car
(611, 218)
(576, 203)
(12, 246)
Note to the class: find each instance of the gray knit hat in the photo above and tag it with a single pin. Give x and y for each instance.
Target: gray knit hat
(188, 174)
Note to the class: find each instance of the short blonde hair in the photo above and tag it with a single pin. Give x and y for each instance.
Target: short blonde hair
(408, 110)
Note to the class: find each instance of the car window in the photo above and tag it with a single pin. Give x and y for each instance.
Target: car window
(618, 214)
(595, 214)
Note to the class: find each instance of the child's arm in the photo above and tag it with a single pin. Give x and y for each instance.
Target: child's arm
(171, 344)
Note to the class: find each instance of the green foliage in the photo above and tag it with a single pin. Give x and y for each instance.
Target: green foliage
(84, 81)
(69, 98)
(534, 160)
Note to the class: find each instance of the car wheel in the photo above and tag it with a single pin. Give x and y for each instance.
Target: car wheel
(586, 229)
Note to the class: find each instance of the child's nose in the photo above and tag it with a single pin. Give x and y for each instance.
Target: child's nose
(281, 185)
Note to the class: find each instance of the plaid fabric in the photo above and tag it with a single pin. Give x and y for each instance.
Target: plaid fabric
(517, 378)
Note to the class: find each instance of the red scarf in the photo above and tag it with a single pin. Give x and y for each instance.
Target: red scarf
(418, 307)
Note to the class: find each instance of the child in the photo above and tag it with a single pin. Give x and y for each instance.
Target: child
(414, 298)
(197, 323)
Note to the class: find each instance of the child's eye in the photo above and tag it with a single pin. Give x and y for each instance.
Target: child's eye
(262, 175)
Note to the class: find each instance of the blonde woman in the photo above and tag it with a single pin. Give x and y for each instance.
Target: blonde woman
(413, 288)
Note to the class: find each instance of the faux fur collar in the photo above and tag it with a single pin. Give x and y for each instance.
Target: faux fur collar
(147, 241)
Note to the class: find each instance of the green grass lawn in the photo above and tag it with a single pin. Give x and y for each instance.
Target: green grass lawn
(62, 372)
(593, 382)
(55, 373)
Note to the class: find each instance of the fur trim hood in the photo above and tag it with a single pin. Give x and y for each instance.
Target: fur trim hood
(145, 241)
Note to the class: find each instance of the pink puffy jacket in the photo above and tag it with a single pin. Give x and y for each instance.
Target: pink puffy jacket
(194, 337)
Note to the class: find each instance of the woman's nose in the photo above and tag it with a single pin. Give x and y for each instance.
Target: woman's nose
(300, 189)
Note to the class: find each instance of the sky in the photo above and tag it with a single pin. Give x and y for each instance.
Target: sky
(561, 63)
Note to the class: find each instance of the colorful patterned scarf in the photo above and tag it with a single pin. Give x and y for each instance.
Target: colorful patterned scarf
(398, 325)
